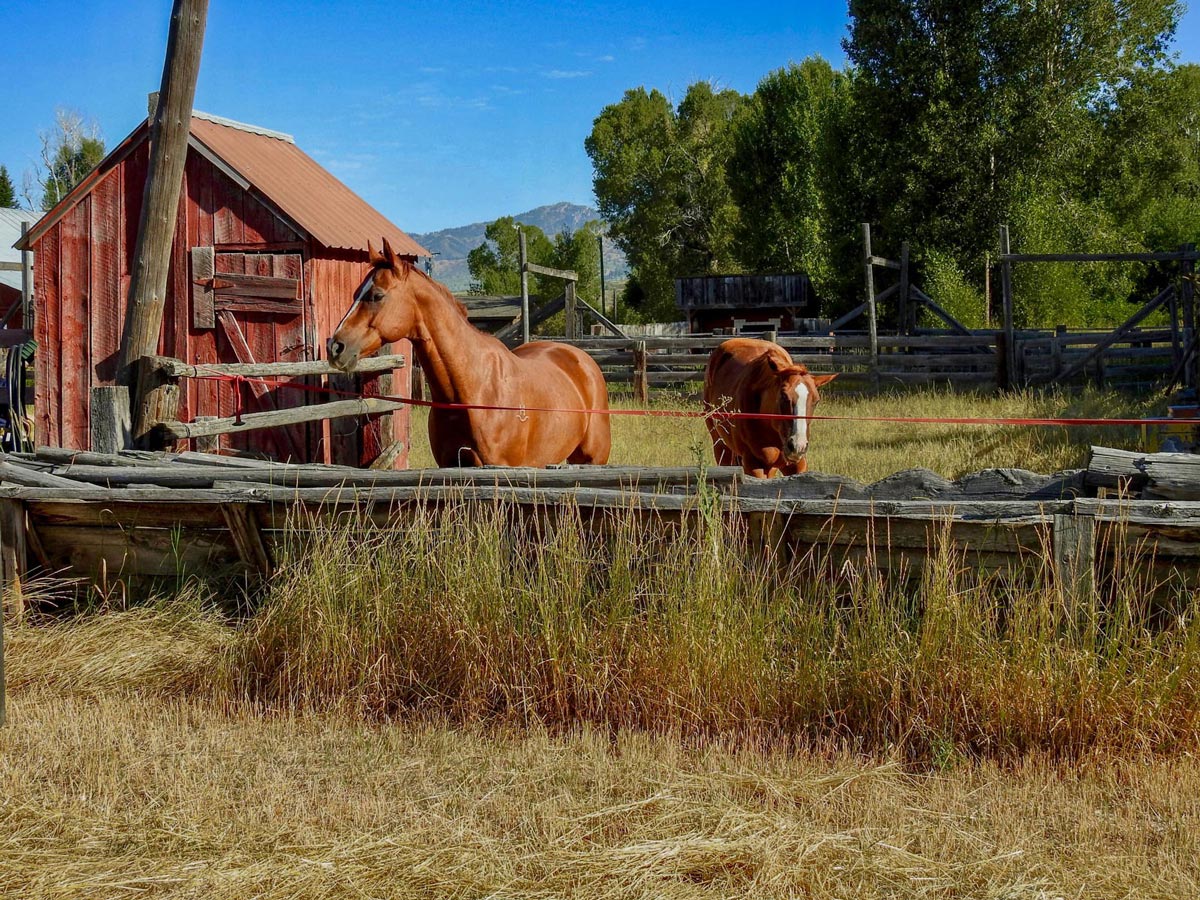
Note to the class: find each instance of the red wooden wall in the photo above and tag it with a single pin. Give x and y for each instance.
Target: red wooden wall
(82, 278)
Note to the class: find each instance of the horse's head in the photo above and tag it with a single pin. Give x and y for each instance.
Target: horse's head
(791, 390)
(383, 310)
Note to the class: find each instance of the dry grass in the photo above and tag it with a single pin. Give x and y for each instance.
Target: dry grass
(120, 788)
(466, 708)
(869, 451)
(479, 616)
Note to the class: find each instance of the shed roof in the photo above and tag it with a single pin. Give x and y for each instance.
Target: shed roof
(10, 233)
(280, 172)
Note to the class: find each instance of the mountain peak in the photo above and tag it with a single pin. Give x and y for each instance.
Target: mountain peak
(451, 245)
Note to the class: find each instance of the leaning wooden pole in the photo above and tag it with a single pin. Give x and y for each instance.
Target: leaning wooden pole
(872, 315)
(523, 260)
(160, 200)
(1006, 299)
(1187, 267)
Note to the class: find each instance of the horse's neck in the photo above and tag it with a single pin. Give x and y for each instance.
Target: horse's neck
(448, 348)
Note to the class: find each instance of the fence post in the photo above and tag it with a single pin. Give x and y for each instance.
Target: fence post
(26, 281)
(1006, 299)
(569, 311)
(159, 403)
(641, 380)
(14, 555)
(111, 428)
(1187, 271)
(1056, 349)
(1074, 541)
(872, 322)
(906, 327)
(524, 287)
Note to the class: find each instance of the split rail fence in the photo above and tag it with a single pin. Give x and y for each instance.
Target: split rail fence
(1139, 359)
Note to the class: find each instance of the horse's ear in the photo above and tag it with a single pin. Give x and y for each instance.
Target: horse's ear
(822, 380)
(389, 254)
(775, 365)
(372, 257)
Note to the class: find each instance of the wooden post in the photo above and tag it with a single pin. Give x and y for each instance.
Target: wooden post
(112, 430)
(159, 403)
(160, 201)
(1056, 349)
(1074, 555)
(26, 281)
(1187, 297)
(569, 310)
(872, 323)
(600, 244)
(523, 259)
(1006, 299)
(14, 555)
(209, 443)
(906, 326)
(987, 288)
(641, 380)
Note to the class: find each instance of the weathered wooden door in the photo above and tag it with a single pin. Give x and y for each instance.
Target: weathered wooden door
(256, 304)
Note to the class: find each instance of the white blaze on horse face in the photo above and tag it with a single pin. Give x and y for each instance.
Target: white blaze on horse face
(800, 410)
(358, 298)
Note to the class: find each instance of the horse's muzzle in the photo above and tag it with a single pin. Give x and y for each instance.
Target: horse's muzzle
(339, 358)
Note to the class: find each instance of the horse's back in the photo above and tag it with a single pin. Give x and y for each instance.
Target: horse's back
(574, 363)
(734, 362)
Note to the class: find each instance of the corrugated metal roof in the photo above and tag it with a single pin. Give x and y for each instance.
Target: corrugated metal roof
(10, 233)
(282, 173)
(304, 190)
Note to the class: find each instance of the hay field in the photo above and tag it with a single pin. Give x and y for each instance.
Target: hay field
(114, 784)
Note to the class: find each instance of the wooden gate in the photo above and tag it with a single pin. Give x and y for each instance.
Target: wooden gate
(256, 303)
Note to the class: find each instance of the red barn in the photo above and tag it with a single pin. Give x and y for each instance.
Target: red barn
(268, 249)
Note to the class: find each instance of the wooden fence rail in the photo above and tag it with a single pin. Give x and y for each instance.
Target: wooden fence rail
(1134, 359)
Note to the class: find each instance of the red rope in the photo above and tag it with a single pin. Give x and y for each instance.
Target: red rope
(238, 380)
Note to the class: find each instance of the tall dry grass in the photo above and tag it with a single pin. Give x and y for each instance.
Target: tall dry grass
(474, 614)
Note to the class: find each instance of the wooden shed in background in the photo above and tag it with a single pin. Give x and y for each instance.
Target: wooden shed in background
(268, 250)
(724, 301)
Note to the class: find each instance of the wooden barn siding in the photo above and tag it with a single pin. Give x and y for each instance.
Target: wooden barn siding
(335, 276)
(217, 211)
(83, 268)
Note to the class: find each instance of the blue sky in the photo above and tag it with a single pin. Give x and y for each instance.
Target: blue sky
(437, 114)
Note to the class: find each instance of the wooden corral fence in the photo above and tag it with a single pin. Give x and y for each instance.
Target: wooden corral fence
(382, 447)
(112, 521)
(101, 518)
(1136, 356)
(1138, 359)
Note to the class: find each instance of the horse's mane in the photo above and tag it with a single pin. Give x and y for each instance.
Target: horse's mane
(445, 291)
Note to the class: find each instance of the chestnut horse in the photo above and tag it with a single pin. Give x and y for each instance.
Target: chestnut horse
(750, 376)
(463, 365)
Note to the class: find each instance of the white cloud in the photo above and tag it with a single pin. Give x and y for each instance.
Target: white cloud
(566, 73)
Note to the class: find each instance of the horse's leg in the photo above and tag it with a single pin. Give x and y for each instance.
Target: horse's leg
(597, 437)
(593, 450)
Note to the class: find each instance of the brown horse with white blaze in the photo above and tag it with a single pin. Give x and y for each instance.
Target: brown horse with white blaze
(751, 376)
(465, 366)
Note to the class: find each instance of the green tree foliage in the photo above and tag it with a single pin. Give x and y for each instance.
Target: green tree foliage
(660, 182)
(1147, 170)
(8, 194)
(69, 152)
(495, 264)
(789, 174)
(580, 253)
(965, 102)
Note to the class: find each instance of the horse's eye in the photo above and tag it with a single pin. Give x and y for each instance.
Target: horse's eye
(375, 296)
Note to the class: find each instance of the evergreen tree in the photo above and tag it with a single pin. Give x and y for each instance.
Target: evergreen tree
(8, 194)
